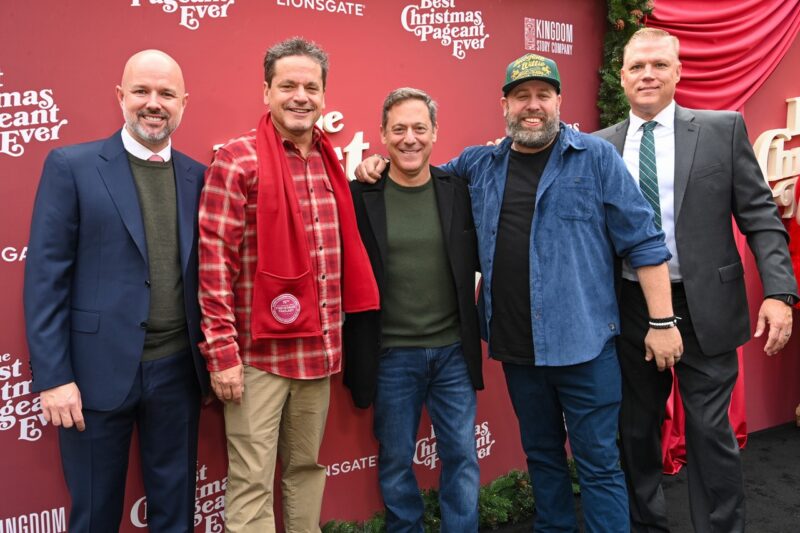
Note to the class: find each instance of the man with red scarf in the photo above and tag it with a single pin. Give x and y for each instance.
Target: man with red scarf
(280, 262)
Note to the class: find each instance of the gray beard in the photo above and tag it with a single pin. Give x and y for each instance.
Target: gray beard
(532, 139)
(135, 127)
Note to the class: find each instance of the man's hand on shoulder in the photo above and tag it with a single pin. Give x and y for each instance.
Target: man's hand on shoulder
(370, 169)
(778, 315)
(62, 406)
(228, 384)
(665, 346)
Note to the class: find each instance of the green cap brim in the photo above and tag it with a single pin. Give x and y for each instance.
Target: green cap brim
(508, 86)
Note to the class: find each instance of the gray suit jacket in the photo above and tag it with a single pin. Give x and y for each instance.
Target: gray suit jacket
(718, 180)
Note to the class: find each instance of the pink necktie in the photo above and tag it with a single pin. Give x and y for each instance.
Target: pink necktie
(157, 158)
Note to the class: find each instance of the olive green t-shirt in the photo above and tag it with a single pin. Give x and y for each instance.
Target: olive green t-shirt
(419, 307)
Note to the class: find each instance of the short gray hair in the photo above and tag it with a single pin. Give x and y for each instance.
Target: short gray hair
(408, 93)
(295, 46)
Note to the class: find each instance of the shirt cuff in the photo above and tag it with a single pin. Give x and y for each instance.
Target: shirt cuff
(220, 356)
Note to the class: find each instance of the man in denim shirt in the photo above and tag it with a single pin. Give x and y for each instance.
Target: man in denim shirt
(559, 205)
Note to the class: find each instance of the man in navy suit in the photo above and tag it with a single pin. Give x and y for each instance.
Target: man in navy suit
(111, 306)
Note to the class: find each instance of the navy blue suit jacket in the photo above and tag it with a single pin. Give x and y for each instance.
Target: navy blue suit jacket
(87, 289)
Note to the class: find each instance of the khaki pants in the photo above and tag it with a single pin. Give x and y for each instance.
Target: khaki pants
(280, 415)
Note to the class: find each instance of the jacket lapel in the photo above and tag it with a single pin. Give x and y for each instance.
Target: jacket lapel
(115, 171)
(618, 137)
(376, 213)
(186, 190)
(686, 133)
(444, 201)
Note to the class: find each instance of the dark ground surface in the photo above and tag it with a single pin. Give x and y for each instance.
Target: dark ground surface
(771, 463)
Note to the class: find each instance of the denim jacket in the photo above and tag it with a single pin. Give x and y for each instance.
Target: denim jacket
(588, 209)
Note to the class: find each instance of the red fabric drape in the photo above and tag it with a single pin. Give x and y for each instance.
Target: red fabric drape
(728, 49)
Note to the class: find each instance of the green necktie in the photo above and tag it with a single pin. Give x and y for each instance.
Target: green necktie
(648, 177)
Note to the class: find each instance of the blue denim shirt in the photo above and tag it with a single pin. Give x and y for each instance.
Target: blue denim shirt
(588, 208)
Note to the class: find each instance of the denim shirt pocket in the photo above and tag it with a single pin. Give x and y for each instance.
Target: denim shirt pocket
(576, 198)
(476, 197)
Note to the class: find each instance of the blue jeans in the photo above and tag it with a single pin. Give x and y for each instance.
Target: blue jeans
(587, 396)
(437, 377)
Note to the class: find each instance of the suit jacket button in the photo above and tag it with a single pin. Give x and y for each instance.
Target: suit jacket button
(143, 325)
(147, 283)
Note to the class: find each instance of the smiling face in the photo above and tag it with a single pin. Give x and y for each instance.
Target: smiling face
(649, 74)
(296, 97)
(409, 136)
(531, 110)
(152, 97)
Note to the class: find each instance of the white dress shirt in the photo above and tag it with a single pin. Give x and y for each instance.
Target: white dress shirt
(664, 139)
(137, 149)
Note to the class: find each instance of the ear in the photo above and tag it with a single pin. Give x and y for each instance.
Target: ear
(383, 135)
(185, 100)
(120, 94)
(504, 105)
(266, 93)
(435, 133)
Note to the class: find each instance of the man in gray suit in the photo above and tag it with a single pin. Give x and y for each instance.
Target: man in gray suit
(699, 172)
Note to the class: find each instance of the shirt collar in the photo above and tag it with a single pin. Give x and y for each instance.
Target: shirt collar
(316, 134)
(665, 117)
(137, 149)
(569, 137)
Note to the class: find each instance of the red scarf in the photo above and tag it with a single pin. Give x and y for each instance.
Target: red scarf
(285, 300)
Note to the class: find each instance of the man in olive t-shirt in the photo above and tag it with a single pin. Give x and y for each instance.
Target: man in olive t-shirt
(423, 347)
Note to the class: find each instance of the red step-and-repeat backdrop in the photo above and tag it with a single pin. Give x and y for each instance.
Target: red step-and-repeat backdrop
(59, 63)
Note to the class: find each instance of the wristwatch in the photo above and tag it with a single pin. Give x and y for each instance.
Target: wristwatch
(788, 299)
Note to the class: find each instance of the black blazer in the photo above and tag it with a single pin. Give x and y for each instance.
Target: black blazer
(362, 331)
(718, 180)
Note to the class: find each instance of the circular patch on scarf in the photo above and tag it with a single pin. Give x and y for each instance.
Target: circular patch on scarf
(285, 308)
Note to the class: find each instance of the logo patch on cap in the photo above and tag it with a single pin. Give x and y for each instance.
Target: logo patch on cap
(285, 308)
(529, 67)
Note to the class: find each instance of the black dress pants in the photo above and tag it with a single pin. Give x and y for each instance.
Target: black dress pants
(716, 494)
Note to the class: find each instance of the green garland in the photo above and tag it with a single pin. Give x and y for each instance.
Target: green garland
(624, 18)
(506, 500)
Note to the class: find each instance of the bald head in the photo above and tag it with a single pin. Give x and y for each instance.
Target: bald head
(152, 96)
(152, 61)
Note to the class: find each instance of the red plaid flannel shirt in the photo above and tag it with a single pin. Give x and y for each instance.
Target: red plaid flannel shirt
(228, 257)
